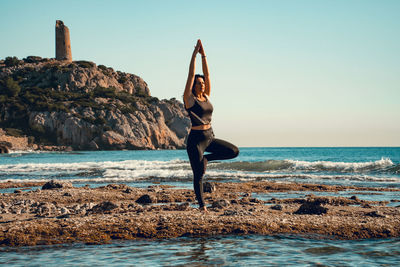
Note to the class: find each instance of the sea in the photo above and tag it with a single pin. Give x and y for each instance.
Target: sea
(359, 166)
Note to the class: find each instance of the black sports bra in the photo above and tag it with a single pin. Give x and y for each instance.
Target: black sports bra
(200, 113)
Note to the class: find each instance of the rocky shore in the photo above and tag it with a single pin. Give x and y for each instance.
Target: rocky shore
(46, 104)
(58, 213)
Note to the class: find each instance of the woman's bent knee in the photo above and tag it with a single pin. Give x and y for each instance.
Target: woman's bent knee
(235, 151)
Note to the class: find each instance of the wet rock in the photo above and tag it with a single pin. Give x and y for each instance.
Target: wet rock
(376, 214)
(64, 216)
(255, 200)
(276, 207)
(64, 210)
(104, 207)
(220, 204)
(18, 191)
(208, 187)
(366, 206)
(144, 199)
(54, 184)
(230, 212)
(354, 198)
(5, 147)
(45, 209)
(128, 190)
(67, 194)
(311, 207)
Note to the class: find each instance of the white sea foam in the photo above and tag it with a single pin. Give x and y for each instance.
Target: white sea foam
(342, 166)
(139, 170)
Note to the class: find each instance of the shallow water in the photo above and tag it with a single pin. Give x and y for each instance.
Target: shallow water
(372, 167)
(220, 251)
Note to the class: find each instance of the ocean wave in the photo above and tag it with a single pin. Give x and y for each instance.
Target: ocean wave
(383, 165)
(179, 170)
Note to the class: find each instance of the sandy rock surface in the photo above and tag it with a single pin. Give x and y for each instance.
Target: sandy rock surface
(117, 211)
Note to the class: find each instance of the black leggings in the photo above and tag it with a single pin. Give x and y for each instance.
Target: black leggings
(198, 142)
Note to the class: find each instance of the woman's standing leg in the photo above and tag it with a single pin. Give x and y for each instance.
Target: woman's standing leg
(196, 144)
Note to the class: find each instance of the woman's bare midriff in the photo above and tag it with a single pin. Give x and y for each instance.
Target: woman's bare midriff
(201, 127)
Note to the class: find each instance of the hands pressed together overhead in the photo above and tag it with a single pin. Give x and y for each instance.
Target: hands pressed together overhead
(199, 48)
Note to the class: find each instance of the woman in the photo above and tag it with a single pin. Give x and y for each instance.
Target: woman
(201, 137)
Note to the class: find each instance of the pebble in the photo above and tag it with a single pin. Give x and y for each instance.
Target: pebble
(276, 207)
(220, 203)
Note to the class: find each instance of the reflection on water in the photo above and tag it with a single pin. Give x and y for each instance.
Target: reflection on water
(221, 251)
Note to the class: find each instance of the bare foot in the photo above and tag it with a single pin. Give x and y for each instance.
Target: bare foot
(203, 209)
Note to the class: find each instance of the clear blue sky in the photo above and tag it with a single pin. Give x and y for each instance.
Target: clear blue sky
(283, 73)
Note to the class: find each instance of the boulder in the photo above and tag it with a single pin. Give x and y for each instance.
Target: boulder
(144, 199)
(104, 207)
(311, 207)
(54, 184)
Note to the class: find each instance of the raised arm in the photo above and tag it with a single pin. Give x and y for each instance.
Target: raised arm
(190, 79)
(205, 70)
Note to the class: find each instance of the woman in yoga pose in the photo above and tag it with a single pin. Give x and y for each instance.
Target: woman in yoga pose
(201, 137)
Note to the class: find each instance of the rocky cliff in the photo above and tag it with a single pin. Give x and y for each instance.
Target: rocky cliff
(85, 106)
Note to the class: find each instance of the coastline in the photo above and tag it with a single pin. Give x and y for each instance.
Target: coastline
(99, 215)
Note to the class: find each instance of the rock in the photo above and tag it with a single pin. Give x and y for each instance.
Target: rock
(64, 210)
(376, 214)
(104, 207)
(276, 207)
(311, 207)
(128, 190)
(4, 149)
(17, 191)
(54, 184)
(183, 206)
(230, 212)
(354, 198)
(208, 187)
(255, 200)
(144, 199)
(93, 146)
(67, 194)
(133, 120)
(220, 204)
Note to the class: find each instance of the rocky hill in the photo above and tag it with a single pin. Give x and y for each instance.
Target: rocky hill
(82, 106)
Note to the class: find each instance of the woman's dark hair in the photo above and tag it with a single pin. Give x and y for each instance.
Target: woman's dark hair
(195, 80)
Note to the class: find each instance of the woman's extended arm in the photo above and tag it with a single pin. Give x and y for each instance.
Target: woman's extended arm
(205, 70)
(190, 79)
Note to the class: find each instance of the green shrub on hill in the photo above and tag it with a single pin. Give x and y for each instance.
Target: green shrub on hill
(104, 92)
(11, 87)
(11, 61)
(14, 132)
(85, 64)
(102, 67)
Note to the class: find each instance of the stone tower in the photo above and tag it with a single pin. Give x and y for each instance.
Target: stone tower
(63, 43)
